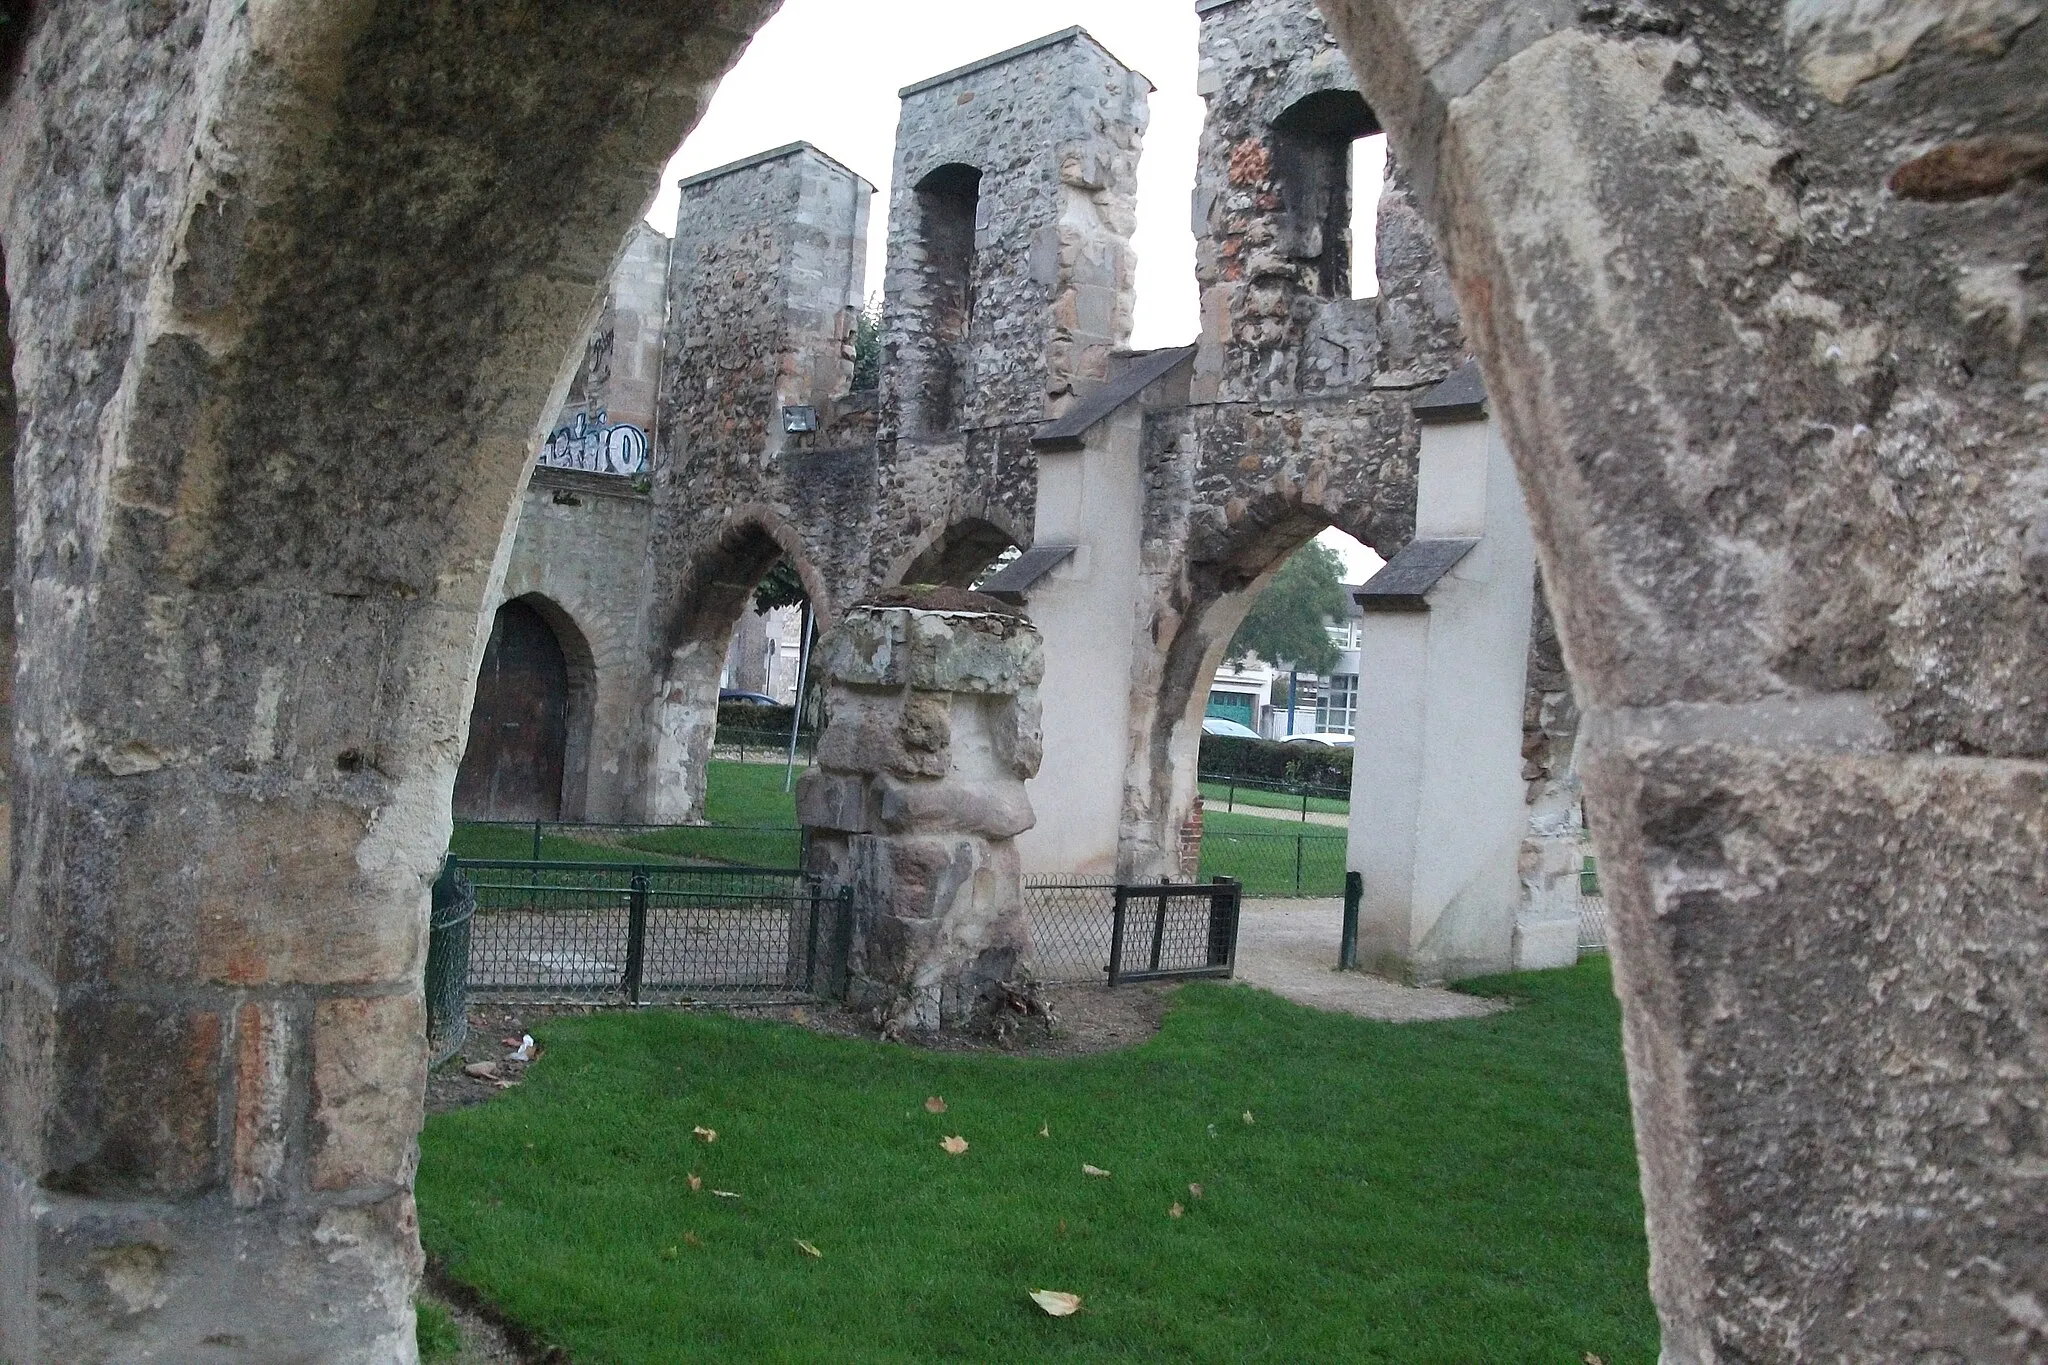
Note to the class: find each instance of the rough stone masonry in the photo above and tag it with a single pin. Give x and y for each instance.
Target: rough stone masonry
(932, 729)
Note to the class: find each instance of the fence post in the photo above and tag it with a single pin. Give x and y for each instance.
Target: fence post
(845, 937)
(1159, 932)
(1304, 803)
(1231, 803)
(811, 957)
(1300, 838)
(1116, 937)
(536, 841)
(1221, 931)
(1354, 894)
(636, 934)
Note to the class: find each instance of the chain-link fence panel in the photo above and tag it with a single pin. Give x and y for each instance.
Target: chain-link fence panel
(448, 939)
(1072, 920)
(614, 931)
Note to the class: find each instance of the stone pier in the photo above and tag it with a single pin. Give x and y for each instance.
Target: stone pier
(932, 728)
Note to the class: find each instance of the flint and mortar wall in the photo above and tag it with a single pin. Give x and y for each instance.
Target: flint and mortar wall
(764, 288)
(1300, 415)
(1055, 129)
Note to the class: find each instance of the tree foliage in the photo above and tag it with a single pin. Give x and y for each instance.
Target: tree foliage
(867, 348)
(1287, 626)
(783, 587)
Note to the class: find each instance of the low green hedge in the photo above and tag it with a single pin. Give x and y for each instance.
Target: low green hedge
(1268, 760)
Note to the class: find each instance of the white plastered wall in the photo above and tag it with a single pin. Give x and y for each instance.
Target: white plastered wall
(1437, 808)
(1091, 499)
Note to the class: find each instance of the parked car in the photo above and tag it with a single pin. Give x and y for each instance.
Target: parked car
(1229, 729)
(751, 698)
(1329, 739)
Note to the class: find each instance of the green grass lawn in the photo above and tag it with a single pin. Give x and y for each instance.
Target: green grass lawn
(1261, 853)
(1219, 796)
(749, 794)
(1430, 1194)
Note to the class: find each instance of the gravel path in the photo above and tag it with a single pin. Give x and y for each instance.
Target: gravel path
(1293, 817)
(1289, 947)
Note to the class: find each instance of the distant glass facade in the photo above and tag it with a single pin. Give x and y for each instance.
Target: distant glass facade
(1337, 707)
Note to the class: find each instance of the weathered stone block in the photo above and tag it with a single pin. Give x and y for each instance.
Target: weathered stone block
(1829, 965)
(203, 1282)
(928, 723)
(866, 649)
(990, 811)
(264, 1044)
(960, 653)
(831, 801)
(369, 1087)
(134, 1104)
(27, 1020)
(1017, 733)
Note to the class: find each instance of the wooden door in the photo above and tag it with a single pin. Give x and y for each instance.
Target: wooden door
(519, 729)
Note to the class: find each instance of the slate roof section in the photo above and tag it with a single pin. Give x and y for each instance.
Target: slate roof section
(1140, 374)
(1461, 398)
(1023, 573)
(1011, 54)
(763, 158)
(1405, 582)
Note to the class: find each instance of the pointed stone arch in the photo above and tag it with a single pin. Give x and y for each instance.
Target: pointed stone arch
(958, 551)
(718, 586)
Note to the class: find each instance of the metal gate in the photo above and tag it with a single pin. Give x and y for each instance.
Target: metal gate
(1175, 931)
(632, 933)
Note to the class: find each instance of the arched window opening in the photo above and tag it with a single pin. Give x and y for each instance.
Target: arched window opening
(965, 556)
(1368, 179)
(764, 662)
(517, 759)
(948, 206)
(1313, 162)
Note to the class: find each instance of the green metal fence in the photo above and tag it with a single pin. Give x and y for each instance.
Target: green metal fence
(1307, 860)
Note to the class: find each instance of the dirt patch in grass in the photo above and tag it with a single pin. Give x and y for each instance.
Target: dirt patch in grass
(1091, 1019)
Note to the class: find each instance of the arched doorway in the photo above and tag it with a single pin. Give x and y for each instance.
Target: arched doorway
(517, 760)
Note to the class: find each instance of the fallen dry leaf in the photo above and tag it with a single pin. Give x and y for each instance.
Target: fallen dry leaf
(1590, 1359)
(706, 1134)
(935, 1105)
(483, 1071)
(1045, 1130)
(670, 1253)
(1195, 1191)
(690, 1239)
(1248, 1117)
(955, 1145)
(1086, 1169)
(696, 1182)
(1055, 1303)
(1063, 1227)
(1175, 1211)
(807, 1249)
(725, 1194)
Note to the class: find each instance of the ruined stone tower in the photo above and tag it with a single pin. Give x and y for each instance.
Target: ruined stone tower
(765, 282)
(1010, 281)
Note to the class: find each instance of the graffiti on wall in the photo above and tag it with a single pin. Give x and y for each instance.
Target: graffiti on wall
(595, 446)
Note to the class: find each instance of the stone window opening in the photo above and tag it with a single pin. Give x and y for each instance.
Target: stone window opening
(1313, 163)
(948, 206)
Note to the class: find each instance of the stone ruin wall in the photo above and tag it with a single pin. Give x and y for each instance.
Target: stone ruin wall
(1057, 130)
(1300, 403)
